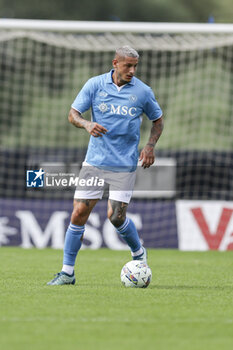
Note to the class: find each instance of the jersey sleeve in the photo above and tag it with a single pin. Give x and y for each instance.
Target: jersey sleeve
(151, 106)
(83, 100)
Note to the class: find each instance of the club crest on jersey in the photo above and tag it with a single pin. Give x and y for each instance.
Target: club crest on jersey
(133, 98)
(103, 107)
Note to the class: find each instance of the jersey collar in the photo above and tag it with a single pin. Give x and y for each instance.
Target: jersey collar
(110, 81)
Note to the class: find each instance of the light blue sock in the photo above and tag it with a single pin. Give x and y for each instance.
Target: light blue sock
(129, 233)
(73, 243)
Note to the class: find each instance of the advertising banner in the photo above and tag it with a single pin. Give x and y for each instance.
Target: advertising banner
(187, 225)
(43, 223)
(205, 225)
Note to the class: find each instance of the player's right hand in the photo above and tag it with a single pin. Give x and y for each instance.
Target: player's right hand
(95, 129)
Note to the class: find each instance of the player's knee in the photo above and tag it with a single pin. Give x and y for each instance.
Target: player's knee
(79, 216)
(117, 220)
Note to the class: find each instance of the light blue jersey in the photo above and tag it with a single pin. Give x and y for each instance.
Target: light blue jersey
(119, 111)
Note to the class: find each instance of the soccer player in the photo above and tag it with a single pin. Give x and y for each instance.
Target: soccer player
(117, 99)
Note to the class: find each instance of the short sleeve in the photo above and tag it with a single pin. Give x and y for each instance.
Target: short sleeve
(83, 100)
(151, 106)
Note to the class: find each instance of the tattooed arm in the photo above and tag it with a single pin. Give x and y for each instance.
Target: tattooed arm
(92, 128)
(147, 154)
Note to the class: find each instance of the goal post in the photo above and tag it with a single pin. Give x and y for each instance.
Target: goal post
(44, 64)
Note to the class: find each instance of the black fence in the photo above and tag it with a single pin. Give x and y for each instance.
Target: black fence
(199, 175)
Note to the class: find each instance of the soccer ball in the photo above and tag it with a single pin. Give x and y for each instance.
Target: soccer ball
(136, 274)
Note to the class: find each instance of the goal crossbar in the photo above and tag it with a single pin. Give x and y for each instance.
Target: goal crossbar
(114, 27)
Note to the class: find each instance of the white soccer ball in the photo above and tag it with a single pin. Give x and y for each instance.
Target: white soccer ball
(136, 274)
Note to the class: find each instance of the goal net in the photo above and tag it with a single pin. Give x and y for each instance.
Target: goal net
(191, 74)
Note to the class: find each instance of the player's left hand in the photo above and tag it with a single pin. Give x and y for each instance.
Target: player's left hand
(147, 156)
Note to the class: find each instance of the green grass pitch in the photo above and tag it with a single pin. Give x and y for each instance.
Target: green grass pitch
(188, 305)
